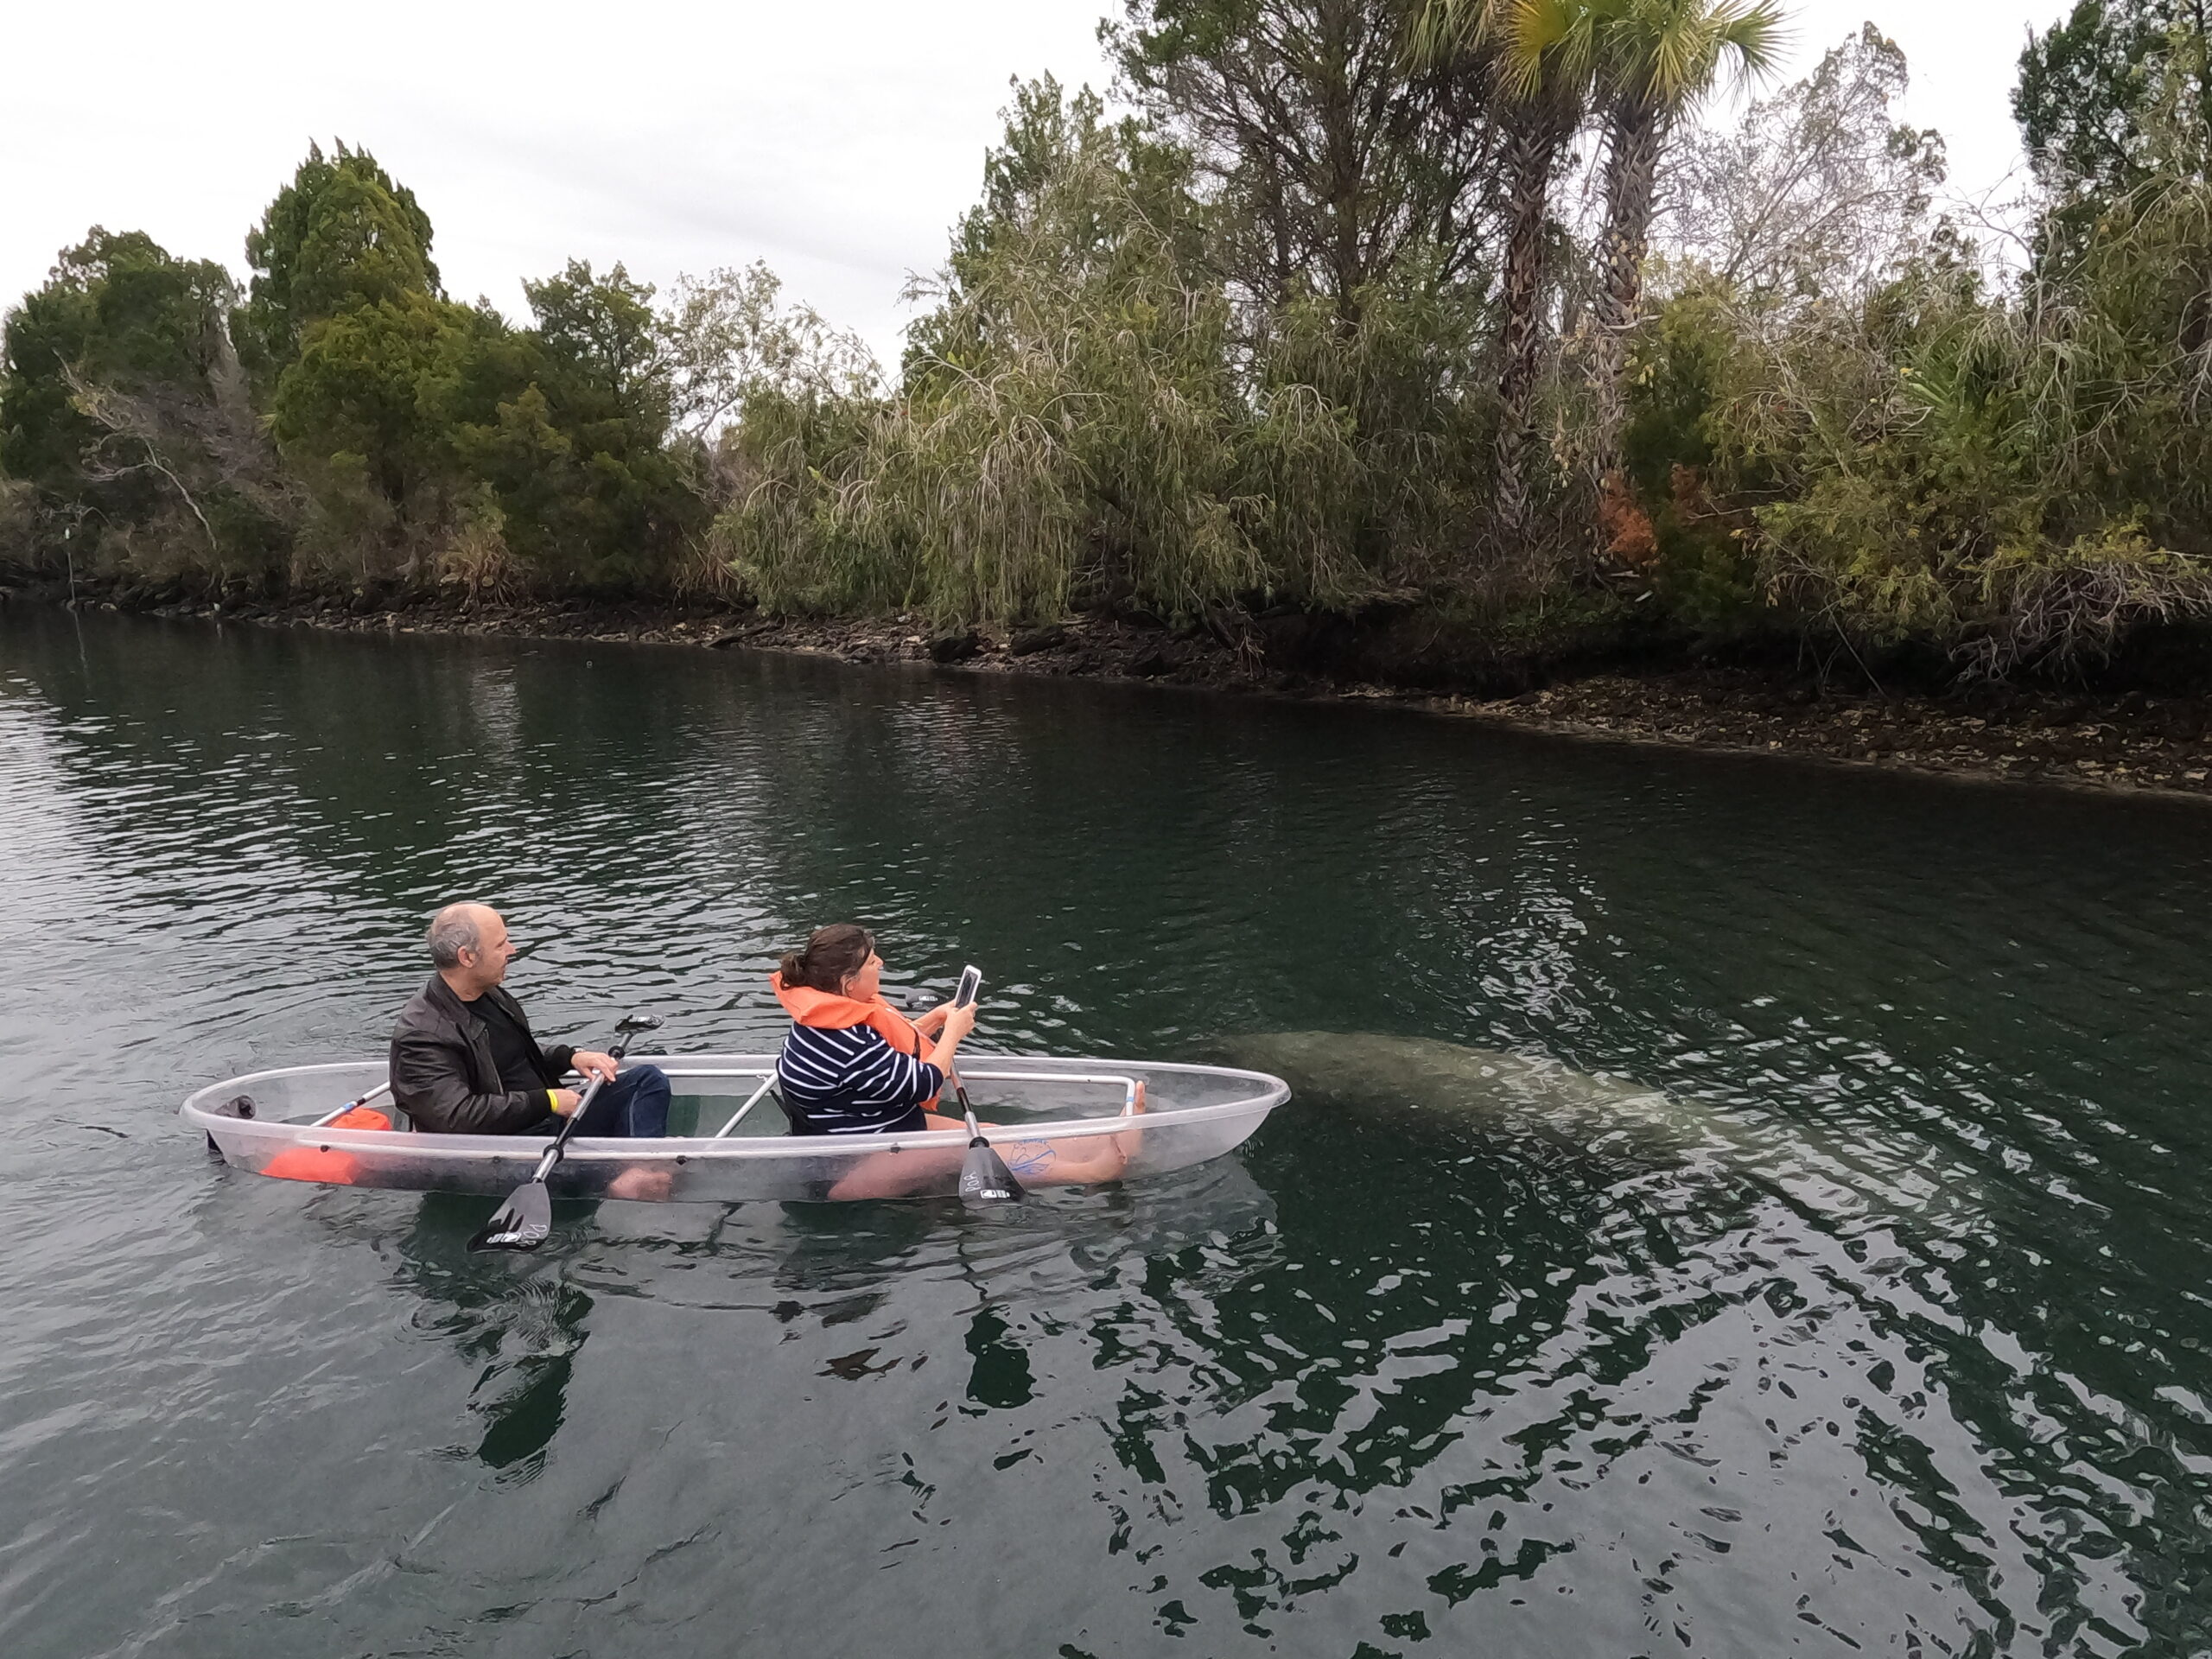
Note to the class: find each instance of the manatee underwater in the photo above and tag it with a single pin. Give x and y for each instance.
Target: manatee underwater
(1413, 1078)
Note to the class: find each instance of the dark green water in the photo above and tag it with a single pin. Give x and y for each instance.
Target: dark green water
(1912, 1359)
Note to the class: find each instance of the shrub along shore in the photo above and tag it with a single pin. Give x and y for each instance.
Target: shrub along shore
(1436, 345)
(2102, 738)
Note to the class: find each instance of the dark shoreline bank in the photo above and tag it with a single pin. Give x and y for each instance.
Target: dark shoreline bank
(2128, 740)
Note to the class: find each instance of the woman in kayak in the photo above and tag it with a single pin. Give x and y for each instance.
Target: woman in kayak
(854, 1064)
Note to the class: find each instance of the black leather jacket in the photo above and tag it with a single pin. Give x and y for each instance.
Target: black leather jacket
(444, 1076)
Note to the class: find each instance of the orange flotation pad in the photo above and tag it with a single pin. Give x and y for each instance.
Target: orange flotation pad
(827, 1011)
(326, 1164)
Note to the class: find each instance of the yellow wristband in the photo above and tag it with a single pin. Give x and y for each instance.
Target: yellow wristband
(553, 1100)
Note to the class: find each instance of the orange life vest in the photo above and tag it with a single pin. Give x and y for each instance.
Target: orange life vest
(326, 1164)
(827, 1011)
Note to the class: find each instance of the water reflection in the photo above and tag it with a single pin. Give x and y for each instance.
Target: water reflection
(521, 1323)
(524, 1330)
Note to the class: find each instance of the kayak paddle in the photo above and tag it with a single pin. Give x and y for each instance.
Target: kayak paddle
(984, 1178)
(242, 1106)
(525, 1220)
(353, 1105)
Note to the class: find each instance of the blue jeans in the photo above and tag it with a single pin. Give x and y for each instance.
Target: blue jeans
(633, 1107)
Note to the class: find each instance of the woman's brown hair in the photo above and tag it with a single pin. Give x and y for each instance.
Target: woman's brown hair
(833, 955)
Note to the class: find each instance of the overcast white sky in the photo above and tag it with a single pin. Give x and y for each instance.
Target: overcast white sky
(838, 139)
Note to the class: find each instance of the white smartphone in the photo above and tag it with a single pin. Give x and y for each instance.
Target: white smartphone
(971, 978)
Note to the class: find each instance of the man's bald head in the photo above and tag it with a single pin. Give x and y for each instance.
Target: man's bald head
(468, 942)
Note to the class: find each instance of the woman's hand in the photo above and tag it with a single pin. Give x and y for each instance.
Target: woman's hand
(956, 1024)
(928, 1023)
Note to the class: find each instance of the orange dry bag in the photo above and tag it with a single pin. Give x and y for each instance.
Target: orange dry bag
(326, 1164)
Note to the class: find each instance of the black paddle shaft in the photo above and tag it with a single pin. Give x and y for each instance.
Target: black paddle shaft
(616, 1051)
(525, 1220)
(984, 1178)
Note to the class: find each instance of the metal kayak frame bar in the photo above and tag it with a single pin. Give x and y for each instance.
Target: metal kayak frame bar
(1132, 1089)
(753, 1100)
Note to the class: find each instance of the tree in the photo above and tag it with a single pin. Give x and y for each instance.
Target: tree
(601, 350)
(727, 337)
(341, 234)
(122, 402)
(2086, 84)
(1075, 202)
(1543, 88)
(1065, 431)
(370, 372)
(2097, 95)
(1817, 192)
(1092, 416)
(365, 413)
(116, 308)
(1654, 60)
(577, 458)
(1328, 153)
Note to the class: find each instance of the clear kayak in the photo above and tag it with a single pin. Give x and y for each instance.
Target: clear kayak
(728, 1142)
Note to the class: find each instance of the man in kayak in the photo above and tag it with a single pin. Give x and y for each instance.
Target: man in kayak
(464, 1060)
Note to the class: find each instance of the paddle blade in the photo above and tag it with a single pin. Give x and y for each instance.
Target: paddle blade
(984, 1178)
(523, 1223)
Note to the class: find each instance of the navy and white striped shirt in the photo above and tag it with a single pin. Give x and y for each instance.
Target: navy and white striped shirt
(851, 1081)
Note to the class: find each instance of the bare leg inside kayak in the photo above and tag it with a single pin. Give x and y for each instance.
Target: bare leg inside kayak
(1083, 1162)
(899, 1174)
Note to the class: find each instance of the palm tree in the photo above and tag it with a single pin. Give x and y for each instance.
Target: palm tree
(1538, 56)
(1656, 60)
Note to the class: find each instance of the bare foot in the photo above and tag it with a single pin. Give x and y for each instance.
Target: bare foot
(1127, 1144)
(647, 1183)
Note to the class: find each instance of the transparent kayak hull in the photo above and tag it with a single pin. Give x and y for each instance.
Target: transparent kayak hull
(1051, 1112)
